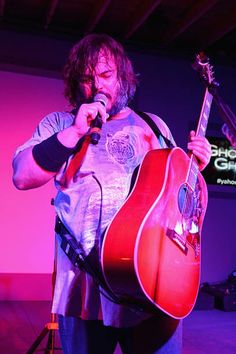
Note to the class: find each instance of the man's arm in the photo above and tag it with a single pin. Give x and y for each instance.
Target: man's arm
(35, 166)
(27, 173)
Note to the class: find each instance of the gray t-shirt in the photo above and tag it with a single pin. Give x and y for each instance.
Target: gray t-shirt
(91, 187)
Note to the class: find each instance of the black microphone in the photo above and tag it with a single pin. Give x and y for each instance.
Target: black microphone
(96, 123)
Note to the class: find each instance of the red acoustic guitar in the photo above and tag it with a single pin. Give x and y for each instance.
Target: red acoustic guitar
(151, 250)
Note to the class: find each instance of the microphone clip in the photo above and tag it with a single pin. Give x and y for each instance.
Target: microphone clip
(96, 126)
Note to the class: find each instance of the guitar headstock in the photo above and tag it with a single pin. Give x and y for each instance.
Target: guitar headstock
(205, 70)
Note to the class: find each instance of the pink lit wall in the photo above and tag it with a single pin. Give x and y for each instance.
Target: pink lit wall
(26, 217)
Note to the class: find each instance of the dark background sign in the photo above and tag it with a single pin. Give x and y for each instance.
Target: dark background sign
(222, 167)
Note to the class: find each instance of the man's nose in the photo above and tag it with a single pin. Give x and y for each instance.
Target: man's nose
(98, 82)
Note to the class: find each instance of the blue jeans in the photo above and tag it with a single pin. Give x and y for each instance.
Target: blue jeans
(153, 336)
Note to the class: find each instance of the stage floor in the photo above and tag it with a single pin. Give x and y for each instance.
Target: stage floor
(204, 332)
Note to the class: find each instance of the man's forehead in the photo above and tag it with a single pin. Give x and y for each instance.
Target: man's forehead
(105, 62)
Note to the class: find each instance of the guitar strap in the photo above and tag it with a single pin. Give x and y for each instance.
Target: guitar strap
(154, 128)
(89, 264)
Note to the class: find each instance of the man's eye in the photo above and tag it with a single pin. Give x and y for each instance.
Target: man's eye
(107, 75)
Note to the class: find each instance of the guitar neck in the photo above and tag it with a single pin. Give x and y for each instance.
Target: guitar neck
(200, 131)
(204, 115)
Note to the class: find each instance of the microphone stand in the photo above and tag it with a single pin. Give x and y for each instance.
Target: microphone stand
(50, 328)
(226, 113)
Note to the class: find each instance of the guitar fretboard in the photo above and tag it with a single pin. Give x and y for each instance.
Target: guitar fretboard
(201, 131)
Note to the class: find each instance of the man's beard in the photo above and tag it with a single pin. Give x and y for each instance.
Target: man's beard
(120, 103)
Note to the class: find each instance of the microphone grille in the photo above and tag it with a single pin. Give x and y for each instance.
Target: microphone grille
(100, 97)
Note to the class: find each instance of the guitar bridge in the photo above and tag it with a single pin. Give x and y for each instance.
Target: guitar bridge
(177, 239)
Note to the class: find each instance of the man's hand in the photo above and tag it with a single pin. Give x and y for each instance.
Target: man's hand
(201, 148)
(86, 113)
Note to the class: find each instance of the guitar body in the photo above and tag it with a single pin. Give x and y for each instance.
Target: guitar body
(151, 249)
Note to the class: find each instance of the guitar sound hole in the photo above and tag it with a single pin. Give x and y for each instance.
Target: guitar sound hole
(186, 201)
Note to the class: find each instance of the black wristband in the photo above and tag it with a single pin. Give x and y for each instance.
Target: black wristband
(50, 154)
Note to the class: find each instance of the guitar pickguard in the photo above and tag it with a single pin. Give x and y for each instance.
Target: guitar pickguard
(186, 230)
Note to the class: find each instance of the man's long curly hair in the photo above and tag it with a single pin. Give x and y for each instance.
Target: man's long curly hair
(85, 55)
